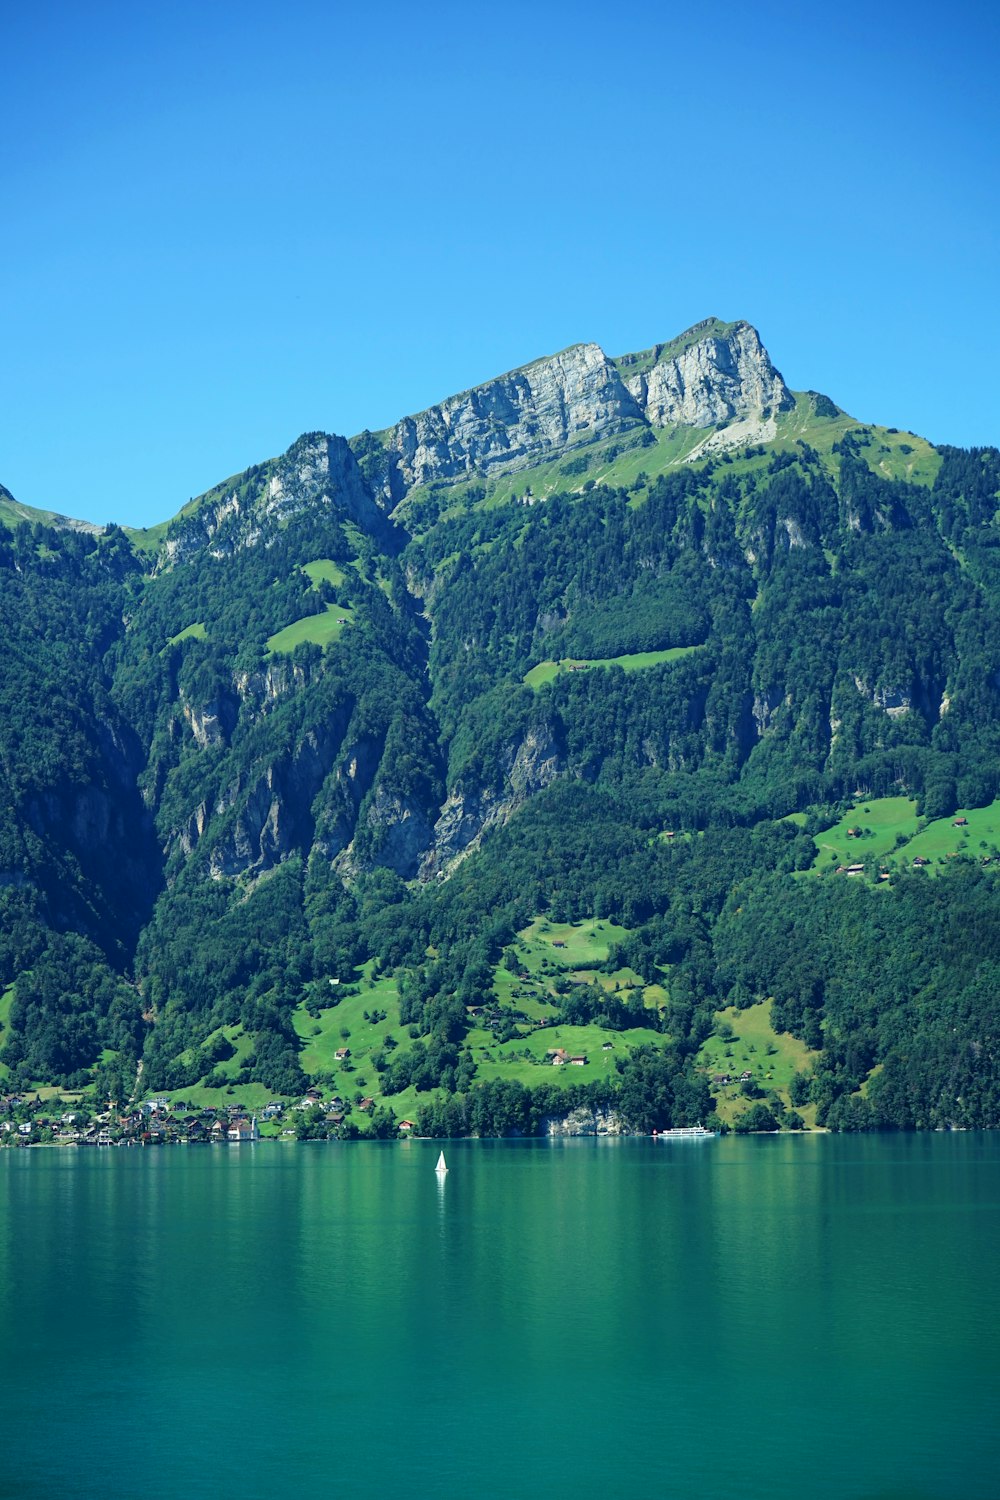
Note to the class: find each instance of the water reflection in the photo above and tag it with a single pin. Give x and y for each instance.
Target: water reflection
(551, 1319)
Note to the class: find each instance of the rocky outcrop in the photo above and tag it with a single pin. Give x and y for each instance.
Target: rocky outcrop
(469, 813)
(398, 833)
(318, 470)
(891, 700)
(511, 422)
(269, 814)
(716, 373)
(585, 1122)
(765, 709)
(213, 722)
(724, 376)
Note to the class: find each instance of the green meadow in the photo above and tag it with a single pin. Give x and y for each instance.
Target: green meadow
(6, 1001)
(635, 661)
(195, 632)
(890, 830)
(745, 1041)
(317, 630)
(323, 570)
(541, 965)
(883, 821)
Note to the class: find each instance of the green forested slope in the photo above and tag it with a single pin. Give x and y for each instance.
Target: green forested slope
(237, 841)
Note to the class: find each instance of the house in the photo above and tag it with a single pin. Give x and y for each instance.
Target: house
(243, 1130)
(606, 1046)
(406, 1125)
(960, 823)
(580, 1061)
(274, 1110)
(342, 1054)
(559, 1055)
(746, 1076)
(854, 833)
(855, 870)
(366, 1104)
(558, 943)
(919, 859)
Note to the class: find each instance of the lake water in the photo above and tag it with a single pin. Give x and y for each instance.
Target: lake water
(801, 1317)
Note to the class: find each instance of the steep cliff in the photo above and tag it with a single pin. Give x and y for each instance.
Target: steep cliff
(714, 373)
(318, 471)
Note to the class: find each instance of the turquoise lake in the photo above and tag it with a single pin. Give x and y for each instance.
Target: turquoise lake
(800, 1317)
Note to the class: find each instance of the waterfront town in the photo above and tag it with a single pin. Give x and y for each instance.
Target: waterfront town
(28, 1120)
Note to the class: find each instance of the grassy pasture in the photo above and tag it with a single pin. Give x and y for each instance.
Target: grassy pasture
(636, 661)
(319, 630)
(941, 839)
(195, 632)
(6, 1001)
(323, 570)
(748, 1050)
(508, 1060)
(322, 1039)
(888, 818)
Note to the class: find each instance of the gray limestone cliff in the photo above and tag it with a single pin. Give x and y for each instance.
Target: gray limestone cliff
(319, 469)
(510, 422)
(714, 373)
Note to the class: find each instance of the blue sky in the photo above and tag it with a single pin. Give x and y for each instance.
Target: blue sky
(225, 225)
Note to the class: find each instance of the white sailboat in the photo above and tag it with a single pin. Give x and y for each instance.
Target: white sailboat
(442, 1165)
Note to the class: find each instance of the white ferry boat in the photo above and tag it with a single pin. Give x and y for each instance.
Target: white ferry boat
(686, 1133)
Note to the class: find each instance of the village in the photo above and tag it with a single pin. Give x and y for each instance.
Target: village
(27, 1120)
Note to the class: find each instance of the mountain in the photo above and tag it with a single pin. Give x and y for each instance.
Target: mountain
(637, 708)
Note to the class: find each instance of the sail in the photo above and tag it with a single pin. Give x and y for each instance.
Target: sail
(442, 1165)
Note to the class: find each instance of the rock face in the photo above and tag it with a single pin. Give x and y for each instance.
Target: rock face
(510, 422)
(722, 377)
(470, 813)
(585, 1122)
(714, 373)
(318, 470)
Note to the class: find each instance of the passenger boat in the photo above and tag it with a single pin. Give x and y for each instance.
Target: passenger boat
(686, 1133)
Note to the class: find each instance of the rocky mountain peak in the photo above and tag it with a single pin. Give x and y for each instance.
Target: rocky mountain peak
(715, 372)
(508, 423)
